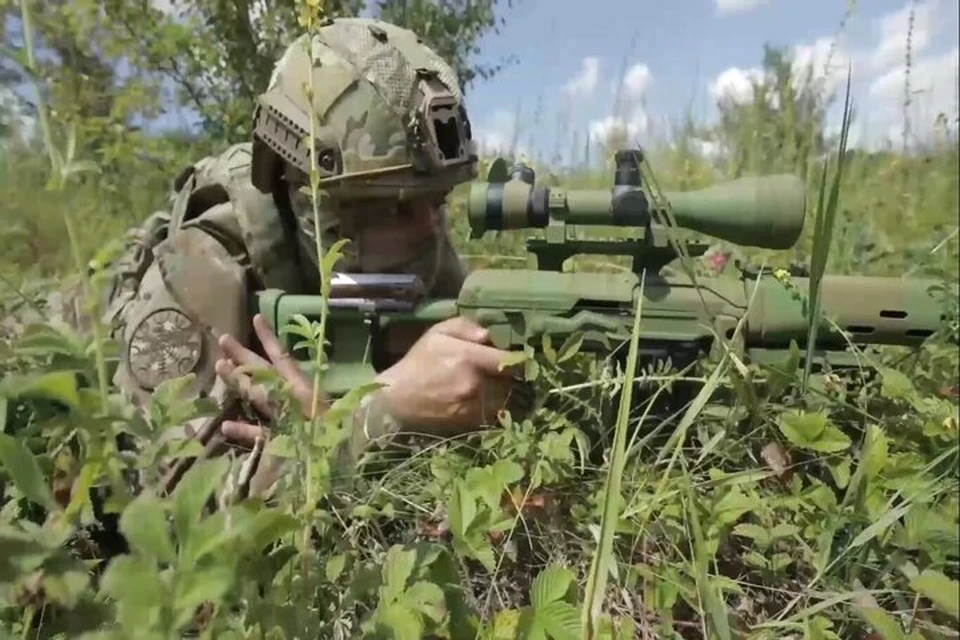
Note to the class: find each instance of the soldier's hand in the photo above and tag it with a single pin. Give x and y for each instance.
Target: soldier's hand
(231, 370)
(450, 381)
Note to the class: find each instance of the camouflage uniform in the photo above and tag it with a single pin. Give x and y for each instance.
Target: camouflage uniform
(390, 123)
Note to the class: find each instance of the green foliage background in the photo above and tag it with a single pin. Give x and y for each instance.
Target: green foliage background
(782, 508)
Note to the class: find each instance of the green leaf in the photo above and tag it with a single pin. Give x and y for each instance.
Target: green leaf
(197, 587)
(426, 597)
(813, 431)
(144, 525)
(512, 359)
(504, 626)
(550, 585)
(59, 386)
(3, 414)
(23, 469)
(396, 571)
(404, 623)
(895, 385)
(570, 347)
(874, 451)
(89, 474)
(133, 581)
(461, 509)
(783, 530)
(560, 620)
(507, 472)
(66, 587)
(803, 427)
(734, 504)
(940, 590)
(329, 260)
(780, 561)
(363, 512)
(840, 470)
(783, 374)
(268, 526)
(46, 340)
(548, 350)
(754, 531)
(335, 566)
(882, 622)
(818, 628)
(193, 491)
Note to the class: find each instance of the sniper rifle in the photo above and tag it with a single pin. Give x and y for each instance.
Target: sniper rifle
(680, 319)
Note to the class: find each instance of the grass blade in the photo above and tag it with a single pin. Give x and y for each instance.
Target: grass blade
(600, 566)
(823, 235)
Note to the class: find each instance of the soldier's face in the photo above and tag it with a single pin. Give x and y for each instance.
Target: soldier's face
(387, 236)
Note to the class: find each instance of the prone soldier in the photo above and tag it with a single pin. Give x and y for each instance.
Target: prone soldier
(392, 139)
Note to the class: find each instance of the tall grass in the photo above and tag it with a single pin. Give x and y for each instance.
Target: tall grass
(785, 503)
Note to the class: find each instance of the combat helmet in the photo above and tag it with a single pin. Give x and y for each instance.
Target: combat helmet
(390, 116)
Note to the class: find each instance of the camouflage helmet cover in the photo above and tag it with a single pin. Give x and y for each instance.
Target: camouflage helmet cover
(390, 117)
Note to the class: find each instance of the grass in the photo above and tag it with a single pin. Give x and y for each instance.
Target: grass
(788, 503)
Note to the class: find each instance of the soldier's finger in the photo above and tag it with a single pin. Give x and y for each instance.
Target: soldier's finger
(492, 361)
(254, 393)
(462, 328)
(242, 433)
(239, 354)
(284, 363)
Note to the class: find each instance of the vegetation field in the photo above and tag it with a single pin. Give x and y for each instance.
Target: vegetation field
(778, 503)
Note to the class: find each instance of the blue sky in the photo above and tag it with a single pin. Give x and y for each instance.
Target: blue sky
(670, 55)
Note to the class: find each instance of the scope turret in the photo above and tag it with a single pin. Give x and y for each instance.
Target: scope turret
(766, 212)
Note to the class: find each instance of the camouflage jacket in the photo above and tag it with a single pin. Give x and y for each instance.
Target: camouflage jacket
(187, 275)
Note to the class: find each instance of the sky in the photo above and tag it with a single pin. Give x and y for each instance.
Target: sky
(670, 58)
(673, 57)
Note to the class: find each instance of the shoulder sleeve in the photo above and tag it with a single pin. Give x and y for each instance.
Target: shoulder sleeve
(194, 291)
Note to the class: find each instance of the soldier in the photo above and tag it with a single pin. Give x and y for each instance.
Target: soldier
(392, 139)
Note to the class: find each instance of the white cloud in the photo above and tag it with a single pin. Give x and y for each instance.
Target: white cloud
(706, 148)
(499, 135)
(932, 80)
(633, 127)
(585, 81)
(631, 118)
(933, 88)
(735, 84)
(738, 6)
(879, 75)
(637, 81)
(826, 60)
(895, 30)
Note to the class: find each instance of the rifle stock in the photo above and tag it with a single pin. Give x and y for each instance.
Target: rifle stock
(678, 319)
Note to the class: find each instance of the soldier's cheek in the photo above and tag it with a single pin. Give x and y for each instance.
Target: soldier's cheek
(385, 247)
